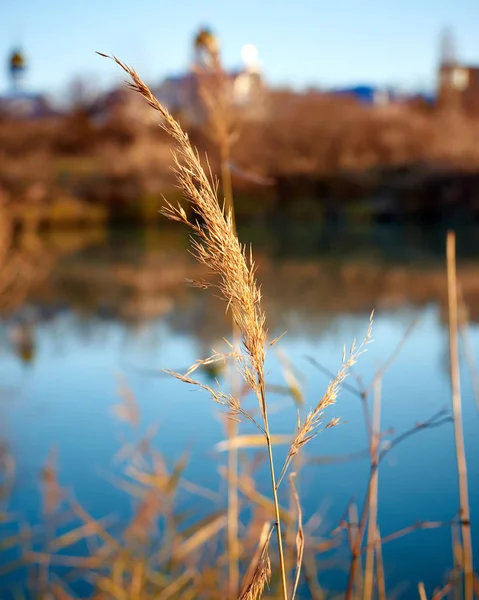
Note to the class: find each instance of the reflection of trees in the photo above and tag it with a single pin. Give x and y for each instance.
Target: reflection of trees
(301, 293)
(23, 262)
(143, 279)
(26, 262)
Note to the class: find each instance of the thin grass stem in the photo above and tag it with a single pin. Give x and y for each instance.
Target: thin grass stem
(373, 497)
(457, 415)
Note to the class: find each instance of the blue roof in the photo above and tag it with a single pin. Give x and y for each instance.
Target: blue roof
(22, 95)
(365, 93)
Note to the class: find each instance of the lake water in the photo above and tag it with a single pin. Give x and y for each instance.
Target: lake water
(113, 306)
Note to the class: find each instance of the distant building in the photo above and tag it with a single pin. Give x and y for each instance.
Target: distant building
(458, 84)
(122, 104)
(458, 87)
(25, 105)
(18, 103)
(366, 94)
(181, 93)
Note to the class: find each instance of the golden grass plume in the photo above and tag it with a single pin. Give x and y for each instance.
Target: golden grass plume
(215, 243)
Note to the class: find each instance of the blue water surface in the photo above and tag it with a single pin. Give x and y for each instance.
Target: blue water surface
(64, 397)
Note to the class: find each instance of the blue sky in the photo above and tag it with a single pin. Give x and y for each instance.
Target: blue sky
(302, 42)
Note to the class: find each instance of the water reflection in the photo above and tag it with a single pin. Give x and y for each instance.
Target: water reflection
(118, 301)
(308, 276)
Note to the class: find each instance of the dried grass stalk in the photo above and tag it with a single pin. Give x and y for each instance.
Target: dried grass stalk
(299, 537)
(373, 496)
(260, 576)
(51, 491)
(422, 591)
(381, 580)
(127, 410)
(457, 414)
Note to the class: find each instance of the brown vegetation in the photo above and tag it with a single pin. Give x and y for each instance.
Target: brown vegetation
(105, 154)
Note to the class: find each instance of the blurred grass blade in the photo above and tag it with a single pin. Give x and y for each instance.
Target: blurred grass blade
(75, 535)
(246, 486)
(294, 386)
(299, 536)
(58, 593)
(422, 591)
(178, 471)
(200, 533)
(259, 571)
(254, 440)
(176, 586)
(13, 540)
(11, 566)
(264, 536)
(100, 531)
(127, 410)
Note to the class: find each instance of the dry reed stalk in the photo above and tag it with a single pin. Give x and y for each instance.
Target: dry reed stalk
(458, 561)
(143, 524)
(290, 533)
(82, 532)
(356, 541)
(251, 441)
(108, 540)
(7, 477)
(217, 247)
(259, 572)
(419, 525)
(208, 530)
(353, 531)
(293, 385)
(443, 592)
(127, 410)
(457, 415)
(422, 591)
(380, 578)
(58, 593)
(434, 421)
(175, 586)
(264, 536)
(373, 498)
(247, 487)
(311, 577)
(52, 493)
(299, 536)
(137, 581)
(233, 511)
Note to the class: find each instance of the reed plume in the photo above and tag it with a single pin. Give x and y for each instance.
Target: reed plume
(261, 569)
(216, 245)
(308, 430)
